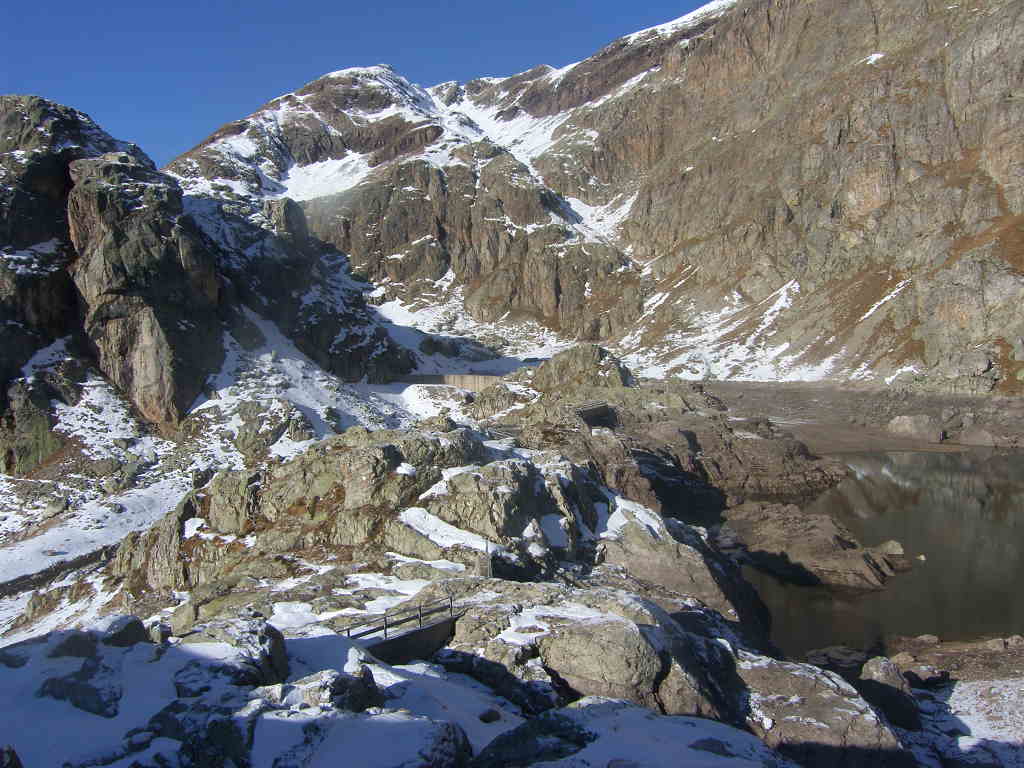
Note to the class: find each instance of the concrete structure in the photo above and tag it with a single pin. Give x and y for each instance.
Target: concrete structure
(420, 643)
(471, 381)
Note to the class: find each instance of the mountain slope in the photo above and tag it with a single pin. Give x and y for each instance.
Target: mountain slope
(758, 190)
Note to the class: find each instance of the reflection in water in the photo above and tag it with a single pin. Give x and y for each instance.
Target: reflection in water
(964, 512)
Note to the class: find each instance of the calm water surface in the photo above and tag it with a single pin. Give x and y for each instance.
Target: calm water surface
(963, 512)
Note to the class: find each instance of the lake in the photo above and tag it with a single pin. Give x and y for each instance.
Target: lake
(963, 511)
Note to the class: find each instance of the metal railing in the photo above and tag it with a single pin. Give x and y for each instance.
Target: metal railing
(400, 618)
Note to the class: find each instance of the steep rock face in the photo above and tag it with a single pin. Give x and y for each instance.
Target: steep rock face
(102, 259)
(91, 232)
(38, 140)
(412, 189)
(882, 221)
(148, 282)
(843, 202)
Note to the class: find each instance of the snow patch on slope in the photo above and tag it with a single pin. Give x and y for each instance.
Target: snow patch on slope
(704, 13)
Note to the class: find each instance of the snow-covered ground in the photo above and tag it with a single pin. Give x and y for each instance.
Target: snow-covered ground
(980, 722)
(444, 313)
(275, 377)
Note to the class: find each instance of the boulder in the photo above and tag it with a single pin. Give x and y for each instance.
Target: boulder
(93, 688)
(815, 717)
(74, 643)
(355, 692)
(917, 427)
(122, 631)
(582, 366)
(605, 658)
(260, 646)
(882, 684)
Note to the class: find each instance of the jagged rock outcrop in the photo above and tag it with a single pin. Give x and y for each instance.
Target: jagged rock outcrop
(671, 448)
(603, 642)
(148, 282)
(582, 366)
(418, 191)
(425, 496)
(26, 437)
(804, 547)
(101, 259)
(38, 141)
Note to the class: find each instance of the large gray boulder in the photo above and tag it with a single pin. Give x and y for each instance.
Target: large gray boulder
(815, 717)
(604, 642)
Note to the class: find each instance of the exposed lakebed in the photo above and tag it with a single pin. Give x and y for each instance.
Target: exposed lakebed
(963, 511)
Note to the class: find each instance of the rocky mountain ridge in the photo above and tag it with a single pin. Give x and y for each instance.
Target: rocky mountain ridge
(196, 426)
(841, 201)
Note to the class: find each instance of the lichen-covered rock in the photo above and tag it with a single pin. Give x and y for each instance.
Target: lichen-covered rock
(585, 365)
(26, 435)
(152, 560)
(814, 716)
(645, 656)
(671, 555)
(38, 141)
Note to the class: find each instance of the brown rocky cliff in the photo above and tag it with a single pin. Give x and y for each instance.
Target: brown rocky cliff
(781, 188)
(849, 147)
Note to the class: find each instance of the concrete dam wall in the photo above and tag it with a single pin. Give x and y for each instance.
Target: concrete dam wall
(471, 381)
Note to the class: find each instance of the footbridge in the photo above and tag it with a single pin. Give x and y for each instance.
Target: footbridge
(400, 636)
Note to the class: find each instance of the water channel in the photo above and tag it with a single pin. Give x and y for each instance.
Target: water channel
(963, 511)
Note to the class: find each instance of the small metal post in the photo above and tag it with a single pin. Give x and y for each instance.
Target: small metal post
(419, 610)
(385, 626)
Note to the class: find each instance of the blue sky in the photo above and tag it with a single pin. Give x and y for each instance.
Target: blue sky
(167, 75)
